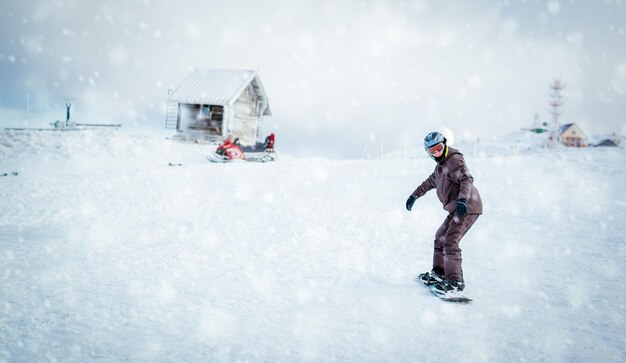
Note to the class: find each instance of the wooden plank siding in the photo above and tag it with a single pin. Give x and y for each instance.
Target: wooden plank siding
(246, 119)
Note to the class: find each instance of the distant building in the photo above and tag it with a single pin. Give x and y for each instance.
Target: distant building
(212, 104)
(609, 143)
(572, 136)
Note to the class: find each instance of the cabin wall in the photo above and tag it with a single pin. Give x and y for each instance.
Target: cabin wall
(245, 119)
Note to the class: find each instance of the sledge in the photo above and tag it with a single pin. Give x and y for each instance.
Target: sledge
(230, 151)
(261, 158)
(456, 297)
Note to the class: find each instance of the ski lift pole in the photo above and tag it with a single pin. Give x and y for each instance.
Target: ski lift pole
(68, 106)
(363, 152)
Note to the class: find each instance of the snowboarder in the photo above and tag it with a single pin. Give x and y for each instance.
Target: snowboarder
(456, 191)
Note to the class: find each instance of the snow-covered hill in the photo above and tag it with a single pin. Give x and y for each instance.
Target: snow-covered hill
(109, 254)
(521, 141)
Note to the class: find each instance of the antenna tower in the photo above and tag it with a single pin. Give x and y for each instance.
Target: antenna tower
(556, 102)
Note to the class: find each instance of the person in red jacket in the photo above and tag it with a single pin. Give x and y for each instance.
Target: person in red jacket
(269, 143)
(460, 198)
(230, 149)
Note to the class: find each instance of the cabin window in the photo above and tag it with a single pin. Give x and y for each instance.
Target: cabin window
(217, 112)
(205, 111)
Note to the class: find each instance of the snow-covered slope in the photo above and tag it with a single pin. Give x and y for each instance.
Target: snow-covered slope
(109, 254)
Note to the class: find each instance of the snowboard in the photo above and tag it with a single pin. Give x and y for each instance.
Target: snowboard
(456, 297)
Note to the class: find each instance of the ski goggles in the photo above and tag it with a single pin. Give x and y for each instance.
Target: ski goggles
(435, 149)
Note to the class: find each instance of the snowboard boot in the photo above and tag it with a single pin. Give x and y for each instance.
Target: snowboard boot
(430, 278)
(448, 286)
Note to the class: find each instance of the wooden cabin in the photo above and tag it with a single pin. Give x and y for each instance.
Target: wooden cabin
(572, 136)
(212, 104)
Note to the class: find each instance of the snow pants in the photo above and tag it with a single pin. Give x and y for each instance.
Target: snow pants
(447, 255)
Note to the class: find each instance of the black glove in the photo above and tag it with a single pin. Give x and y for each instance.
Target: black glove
(409, 202)
(461, 207)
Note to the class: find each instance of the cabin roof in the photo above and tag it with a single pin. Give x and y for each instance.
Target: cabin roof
(212, 86)
(566, 127)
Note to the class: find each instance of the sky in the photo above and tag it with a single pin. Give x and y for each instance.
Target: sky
(344, 78)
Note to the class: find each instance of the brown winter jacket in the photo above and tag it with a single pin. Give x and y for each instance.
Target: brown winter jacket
(453, 181)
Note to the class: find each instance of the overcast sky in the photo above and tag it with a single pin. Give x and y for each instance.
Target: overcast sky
(341, 76)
